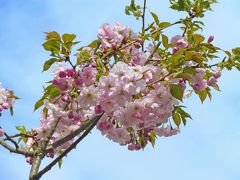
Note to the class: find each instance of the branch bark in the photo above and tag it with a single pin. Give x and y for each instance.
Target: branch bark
(15, 150)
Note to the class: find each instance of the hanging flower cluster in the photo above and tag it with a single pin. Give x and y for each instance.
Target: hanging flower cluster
(136, 96)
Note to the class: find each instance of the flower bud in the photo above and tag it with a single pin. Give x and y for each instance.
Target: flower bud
(29, 160)
(210, 39)
(98, 109)
(5, 106)
(50, 154)
(62, 74)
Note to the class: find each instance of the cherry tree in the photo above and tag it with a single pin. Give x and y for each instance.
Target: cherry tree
(129, 85)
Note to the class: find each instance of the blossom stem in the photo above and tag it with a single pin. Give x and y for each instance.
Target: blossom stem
(143, 21)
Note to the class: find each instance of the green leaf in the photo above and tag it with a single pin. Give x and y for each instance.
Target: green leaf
(153, 136)
(68, 37)
(197, 38)
(155, 17)
(52, 45)
(49, 63)
(60, 163)
(38, 104)
(54, 92)
(202, 95)
(176, 91)
(177, 119)
(165, 41)
(189, 70)
(163, 25)
(53, 35)
(11, 110)
(22, 129)
(216, 87)
(95, 43)
(20, 139)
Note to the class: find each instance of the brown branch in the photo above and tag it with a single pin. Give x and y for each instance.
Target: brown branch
(55, 161)
(21, 134)
(35, 167)
(11, 140)
(15, 150)
(70, 62)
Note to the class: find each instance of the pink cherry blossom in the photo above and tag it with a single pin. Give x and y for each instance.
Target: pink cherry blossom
(179, 42)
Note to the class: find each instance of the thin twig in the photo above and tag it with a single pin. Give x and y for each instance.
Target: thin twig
(11, 140)
(20, 134)
(70, 62)
(143, 21)
(152, 53)
(160, 79)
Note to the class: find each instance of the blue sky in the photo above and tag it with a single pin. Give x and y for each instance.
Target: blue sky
(207, 148)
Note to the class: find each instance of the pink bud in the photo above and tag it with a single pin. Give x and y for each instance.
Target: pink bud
(210, 39)
(62, 74)
(50, 154)
(217, 73)
(98, 109)
(55, 82)
(77, 118)
(1, 108)
(70, 115)
(5, 106)
(71, 72)
(78, 82)
(175, 49)
(1, 132)
(29, 160)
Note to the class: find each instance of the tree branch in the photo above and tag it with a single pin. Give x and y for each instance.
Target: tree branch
(20, 134)
(35, 167)
(15, 150)
(55, 161)
(11, 140)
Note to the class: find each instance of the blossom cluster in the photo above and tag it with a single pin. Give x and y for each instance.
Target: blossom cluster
(133, 96)
(6, 101)
(135, 101)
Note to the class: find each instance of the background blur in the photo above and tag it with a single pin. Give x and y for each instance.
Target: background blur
(208, 148)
